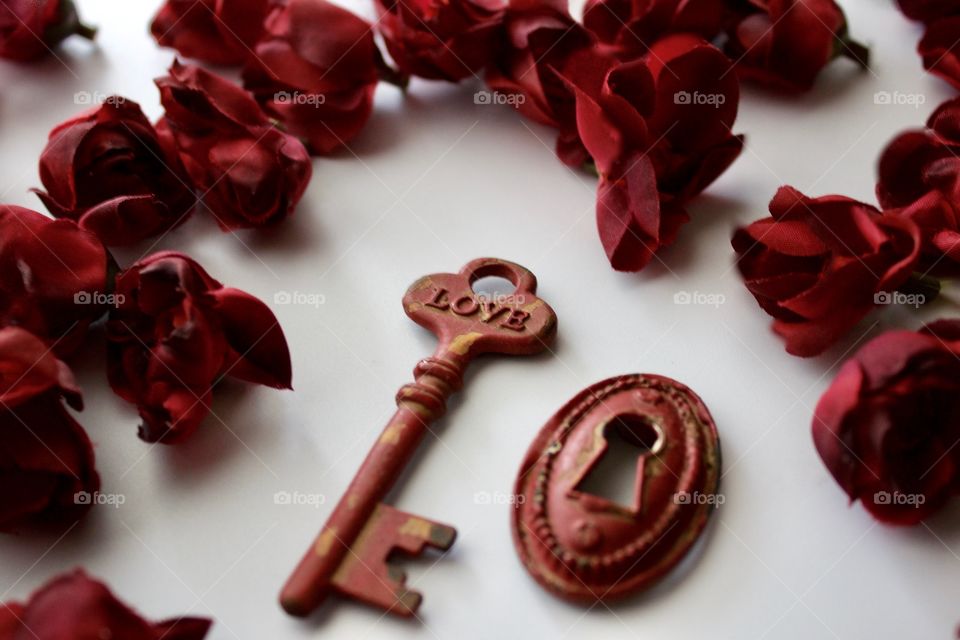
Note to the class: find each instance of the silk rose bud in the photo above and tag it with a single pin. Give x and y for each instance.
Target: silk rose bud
(818, 265)
(47, 470)
(107, 170)
(889, 425)
(73, 606)
(179, 331)
(315, 70)
(439, 39)
(215, 31)
(53, 277)
(250, 174)
(29, 29)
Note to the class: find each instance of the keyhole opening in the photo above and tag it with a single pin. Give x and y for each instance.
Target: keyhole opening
(614, 476)
(494, 288)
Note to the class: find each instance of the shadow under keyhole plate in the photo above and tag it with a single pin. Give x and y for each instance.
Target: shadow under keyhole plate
(586, 548)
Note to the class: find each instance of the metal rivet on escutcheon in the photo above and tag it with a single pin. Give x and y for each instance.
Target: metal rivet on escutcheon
(585, 547)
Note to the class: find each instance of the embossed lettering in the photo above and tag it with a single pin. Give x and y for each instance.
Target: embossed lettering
(439, 300)
(517, 320)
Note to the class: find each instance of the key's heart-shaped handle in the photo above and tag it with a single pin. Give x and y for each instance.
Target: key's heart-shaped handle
(470, 324)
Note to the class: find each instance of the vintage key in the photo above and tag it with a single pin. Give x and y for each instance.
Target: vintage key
(350, 554)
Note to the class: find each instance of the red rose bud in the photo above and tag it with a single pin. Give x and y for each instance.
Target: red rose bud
(53, 277)
(250, 173)
(928, 10)
(47, 464)
(939, 51)
(72, 606)
(220, 32)
(176, 333)
(888, 427)
(819, 265)
(29, 29)
(315, 70)
(786, 44)
(631, 26)
(440, 39)
(107, 170)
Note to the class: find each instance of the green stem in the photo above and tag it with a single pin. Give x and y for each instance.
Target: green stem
(86, 31)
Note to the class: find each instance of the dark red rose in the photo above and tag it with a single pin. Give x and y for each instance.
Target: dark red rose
(938, 48)
(631, 26)
(440, 39)
(46, 460)
(539, 38)
(73, 606)
(817, 264)
(250, 173)
(176, 333)
(787, 43)
(658, 131)
(315, 70)
(939, 224)
(214, 31)
(889, 425)
(107, 170)
(927, 10)
(29, 29)
(53, 277)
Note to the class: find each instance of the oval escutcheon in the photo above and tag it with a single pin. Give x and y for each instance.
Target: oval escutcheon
(586, 547)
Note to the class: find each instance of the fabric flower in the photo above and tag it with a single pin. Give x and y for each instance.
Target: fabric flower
(787, 43)
(46, 460)
(73, 606)
(315, 70)
(888, 427)
(29, 29)
(817, 264)
(250, 173)
(219, 32)
(106, 170)
(631, 26)
(440, 39)
(928, 10)
(938, 48)
(53, 277)
(179, 331)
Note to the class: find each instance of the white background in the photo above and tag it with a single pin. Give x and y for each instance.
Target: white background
(434, 181)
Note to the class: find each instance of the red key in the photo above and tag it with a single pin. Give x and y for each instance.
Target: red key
(349, 555)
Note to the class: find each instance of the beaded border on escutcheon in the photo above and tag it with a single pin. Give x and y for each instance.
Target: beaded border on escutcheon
(587, 569)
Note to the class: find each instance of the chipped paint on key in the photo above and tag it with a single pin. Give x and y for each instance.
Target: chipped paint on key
(350, 554)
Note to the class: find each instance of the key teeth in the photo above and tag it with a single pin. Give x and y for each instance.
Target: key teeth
(368, 575)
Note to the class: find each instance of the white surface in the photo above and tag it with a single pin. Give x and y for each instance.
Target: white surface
(439, 181)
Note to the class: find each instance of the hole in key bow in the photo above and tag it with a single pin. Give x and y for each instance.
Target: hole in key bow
(494, 288)
(614, 476)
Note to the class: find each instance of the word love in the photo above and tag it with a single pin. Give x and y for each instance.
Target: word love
(490, 310)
